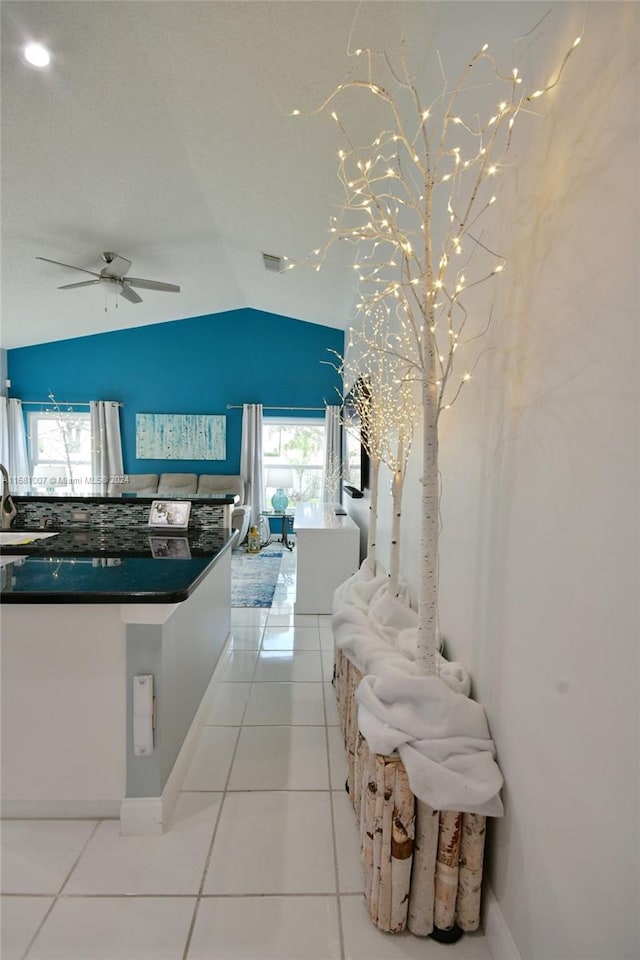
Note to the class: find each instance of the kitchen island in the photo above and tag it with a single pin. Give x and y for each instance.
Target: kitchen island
(84, 613)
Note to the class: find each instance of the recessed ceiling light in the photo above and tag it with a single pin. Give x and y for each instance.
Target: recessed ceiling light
(37, 55)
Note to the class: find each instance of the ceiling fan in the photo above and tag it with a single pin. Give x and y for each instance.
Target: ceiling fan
(115, 273)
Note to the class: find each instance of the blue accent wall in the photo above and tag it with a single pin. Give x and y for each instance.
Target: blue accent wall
(187, 366)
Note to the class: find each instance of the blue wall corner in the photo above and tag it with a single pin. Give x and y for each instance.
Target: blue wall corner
(197, 365)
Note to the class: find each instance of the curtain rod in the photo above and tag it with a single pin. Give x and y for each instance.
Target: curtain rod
(238, 406)
(61, 403)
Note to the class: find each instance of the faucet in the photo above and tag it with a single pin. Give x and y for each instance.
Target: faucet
(7, 506)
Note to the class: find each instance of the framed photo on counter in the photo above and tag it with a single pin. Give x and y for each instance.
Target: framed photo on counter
(170, 513)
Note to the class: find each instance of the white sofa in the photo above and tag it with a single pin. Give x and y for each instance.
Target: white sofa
(185, 484)
(216, 484)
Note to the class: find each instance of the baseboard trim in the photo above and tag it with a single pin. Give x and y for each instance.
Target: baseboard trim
(150, 816)
(141, 817)
(501, 944)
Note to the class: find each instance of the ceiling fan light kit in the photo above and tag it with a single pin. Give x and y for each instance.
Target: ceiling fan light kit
(115, 274)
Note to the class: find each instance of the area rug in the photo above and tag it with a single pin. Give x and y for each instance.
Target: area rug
(254, 577)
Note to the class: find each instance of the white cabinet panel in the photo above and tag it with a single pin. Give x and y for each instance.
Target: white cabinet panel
(328, 548)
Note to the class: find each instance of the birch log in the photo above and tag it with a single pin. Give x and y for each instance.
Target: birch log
(338, 667)
(388, 770)
(421, 899)
(344, 695)
(387, 828)
(351, 733)
(361, 820)
(446, 879)
(368, 806)
(347, 706)
(402, 848)
(470, 876)
(372, 890)
(362, 751)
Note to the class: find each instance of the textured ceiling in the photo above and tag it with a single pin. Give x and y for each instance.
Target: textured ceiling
(161, 131)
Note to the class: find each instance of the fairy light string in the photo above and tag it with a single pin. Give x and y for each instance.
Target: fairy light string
(396, 189)
(415, 209)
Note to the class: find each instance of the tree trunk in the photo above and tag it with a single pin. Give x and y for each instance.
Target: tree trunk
(428, 596)
(428, 590)
(373, 515)
(396, 491)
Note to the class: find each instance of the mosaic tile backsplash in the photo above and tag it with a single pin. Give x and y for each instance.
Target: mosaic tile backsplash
(92, 513)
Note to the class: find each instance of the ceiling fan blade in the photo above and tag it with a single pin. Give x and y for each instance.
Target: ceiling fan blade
(117, 266)
(130, 294)
(70, 267)
(153, 285)
(83, 283)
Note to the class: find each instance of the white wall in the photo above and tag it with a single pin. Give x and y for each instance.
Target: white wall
(539, 547)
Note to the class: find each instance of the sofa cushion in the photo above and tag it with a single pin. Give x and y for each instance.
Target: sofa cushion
(218, 483)
(145, 484)
(178, 483)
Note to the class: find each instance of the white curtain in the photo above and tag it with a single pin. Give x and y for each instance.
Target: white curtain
(332, 455)
(106, 444)
(251, 458)
(13, 445)
(4, 432)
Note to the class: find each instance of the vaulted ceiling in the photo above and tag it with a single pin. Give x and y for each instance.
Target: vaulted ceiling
(162, 131)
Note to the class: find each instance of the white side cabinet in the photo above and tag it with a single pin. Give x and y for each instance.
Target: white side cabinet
(328, 548)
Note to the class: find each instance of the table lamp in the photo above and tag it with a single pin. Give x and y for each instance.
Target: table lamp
(282, 479)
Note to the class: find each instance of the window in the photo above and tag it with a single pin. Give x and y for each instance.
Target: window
(60, 448)
(296, 444)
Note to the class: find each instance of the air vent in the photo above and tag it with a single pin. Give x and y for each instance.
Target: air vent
(271, 262)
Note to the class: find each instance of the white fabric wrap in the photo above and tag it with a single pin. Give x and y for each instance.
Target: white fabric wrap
(373, 628)
(442, 738)
(441, 735)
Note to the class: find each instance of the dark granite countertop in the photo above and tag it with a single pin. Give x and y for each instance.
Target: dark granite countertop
(107, 565)
(211, 498)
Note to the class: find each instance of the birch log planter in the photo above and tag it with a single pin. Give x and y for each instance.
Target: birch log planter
(422, 868)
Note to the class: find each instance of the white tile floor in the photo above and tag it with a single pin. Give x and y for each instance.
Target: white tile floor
(261, 860)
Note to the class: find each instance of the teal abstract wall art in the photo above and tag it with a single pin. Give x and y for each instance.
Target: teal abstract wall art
(177, 436)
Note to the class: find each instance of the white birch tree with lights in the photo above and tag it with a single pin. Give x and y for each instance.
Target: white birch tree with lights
(360, 417)
(388, 408)
(414, 203)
